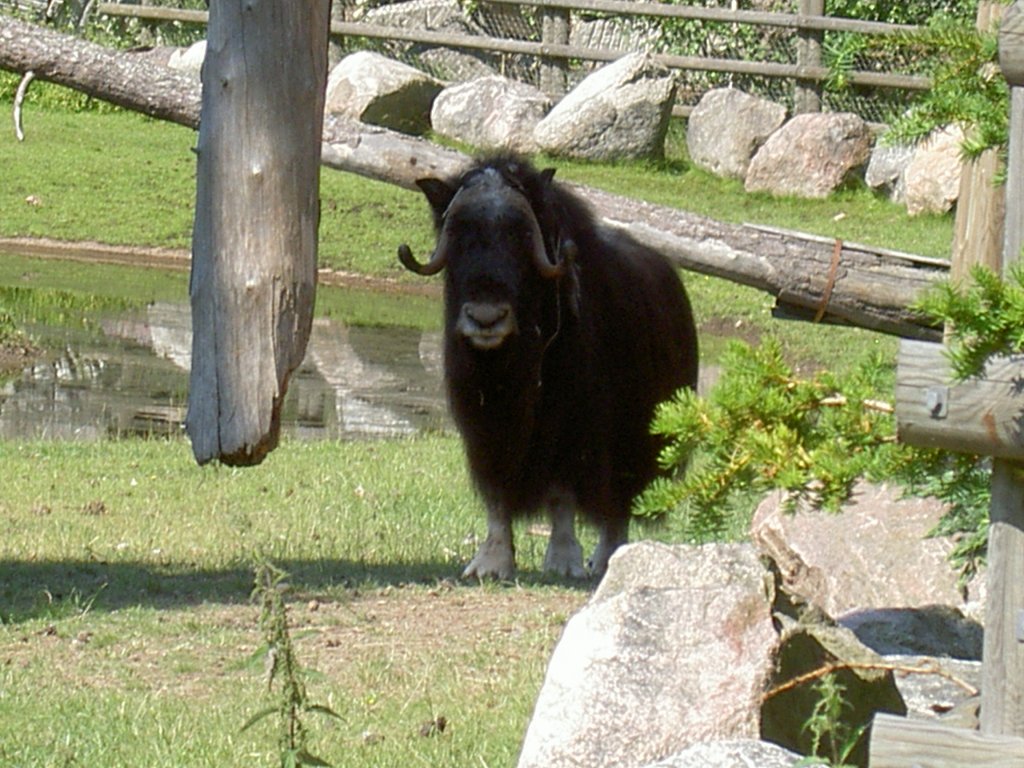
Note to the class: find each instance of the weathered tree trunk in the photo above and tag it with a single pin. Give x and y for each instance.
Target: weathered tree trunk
(861, 286)
(254, 242)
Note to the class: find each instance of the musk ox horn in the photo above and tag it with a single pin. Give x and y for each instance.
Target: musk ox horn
(436, 264)
(551, 270)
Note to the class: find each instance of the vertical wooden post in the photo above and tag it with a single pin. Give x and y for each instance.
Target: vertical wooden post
(1002, 686)
(807, 92)
(254, 241)
(980, 208)
(554, 31)
(1002, 682)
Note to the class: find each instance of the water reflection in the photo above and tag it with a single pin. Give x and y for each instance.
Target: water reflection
(133, 378)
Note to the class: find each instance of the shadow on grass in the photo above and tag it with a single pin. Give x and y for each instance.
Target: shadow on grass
(61, 589)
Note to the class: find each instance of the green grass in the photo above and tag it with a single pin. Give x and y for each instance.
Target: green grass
(124, 179)
(125, 570)
(126, 628)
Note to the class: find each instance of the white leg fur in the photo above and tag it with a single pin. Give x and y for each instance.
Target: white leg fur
(495, 559)
(564, 555)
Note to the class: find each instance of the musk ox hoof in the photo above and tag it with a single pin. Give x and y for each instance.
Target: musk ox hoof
(565, 559)
(598, 562)
(491, 562)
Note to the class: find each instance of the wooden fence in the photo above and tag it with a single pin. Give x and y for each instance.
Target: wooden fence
(542, 48)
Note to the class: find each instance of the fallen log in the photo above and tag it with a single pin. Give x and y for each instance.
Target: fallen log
(823, 279)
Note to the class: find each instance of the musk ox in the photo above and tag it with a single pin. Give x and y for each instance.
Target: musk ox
(560, 337)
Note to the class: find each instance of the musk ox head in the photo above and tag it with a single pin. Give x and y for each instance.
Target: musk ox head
(500, 250)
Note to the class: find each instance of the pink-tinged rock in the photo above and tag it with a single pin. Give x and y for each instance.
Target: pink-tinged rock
(876, 553)
(811, 155)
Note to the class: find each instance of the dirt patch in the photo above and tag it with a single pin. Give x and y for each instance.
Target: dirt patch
(16, 355)
(180, 260)
(197, 650)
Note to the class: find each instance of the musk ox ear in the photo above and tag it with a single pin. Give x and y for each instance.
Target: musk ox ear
(546, 176)
(438, 193)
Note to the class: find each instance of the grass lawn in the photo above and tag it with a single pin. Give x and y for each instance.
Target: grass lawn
(127, 632)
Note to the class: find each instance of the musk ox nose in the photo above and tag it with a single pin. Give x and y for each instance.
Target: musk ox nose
(486, 325)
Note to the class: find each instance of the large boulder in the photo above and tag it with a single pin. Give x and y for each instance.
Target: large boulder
(876, 553)
(620, 111)
(932, 178)
(630, 680)
(727, 127)
(811, 155)
(374, 89)
(490, 113)
(676, 648)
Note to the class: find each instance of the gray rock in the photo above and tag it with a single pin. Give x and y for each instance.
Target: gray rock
(876, 553)
(737, 753)
(615, 33)
(433, 15)
(886, 169)
(727, 127)
(931, 630)
(455, 66)
(490, 113)
(620, 111)
(673, 649)
(189, 60)
(932, 176)
(374, 89)
(810, 156)
(945, 692)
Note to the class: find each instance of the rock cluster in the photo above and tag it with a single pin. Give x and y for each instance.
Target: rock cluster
(619, 111)
(684, 655)
(811, 155)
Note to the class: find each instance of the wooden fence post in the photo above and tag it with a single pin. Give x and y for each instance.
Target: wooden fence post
(980, 208)
(1002, 685)
(554, 71)
(995, 413)
(807, 92)
(254, 243)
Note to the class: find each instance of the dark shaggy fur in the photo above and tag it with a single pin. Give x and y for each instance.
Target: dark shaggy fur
(565, 402)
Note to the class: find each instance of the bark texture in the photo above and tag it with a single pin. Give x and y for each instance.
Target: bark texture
(254, 243)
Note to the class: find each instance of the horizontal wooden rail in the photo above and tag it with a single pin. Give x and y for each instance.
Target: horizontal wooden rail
(617, 7)
(724, 15)
(555, 51)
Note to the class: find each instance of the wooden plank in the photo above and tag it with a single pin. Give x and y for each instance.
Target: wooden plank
(898, 742)
(978, 232)
(1011, 45)
(982, 416)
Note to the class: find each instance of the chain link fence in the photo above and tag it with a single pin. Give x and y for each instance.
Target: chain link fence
(586, 29)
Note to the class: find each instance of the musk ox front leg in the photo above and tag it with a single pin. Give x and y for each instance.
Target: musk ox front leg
(495, 559)
(614, 533)
(564, 555)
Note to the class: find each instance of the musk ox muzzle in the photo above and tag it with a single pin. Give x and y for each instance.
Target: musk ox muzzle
(486, 325)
